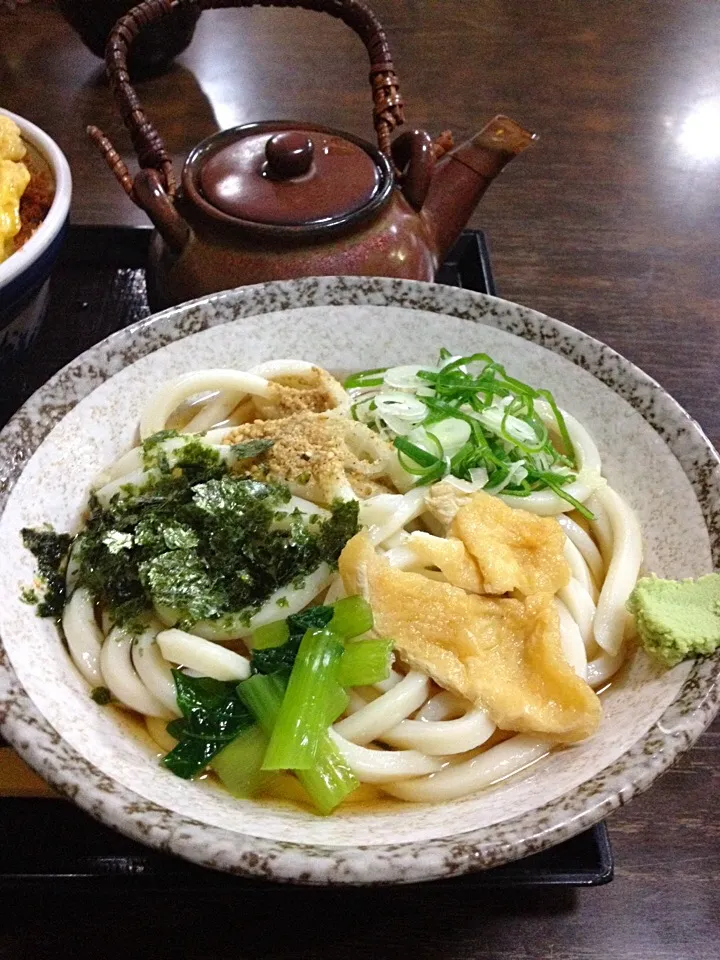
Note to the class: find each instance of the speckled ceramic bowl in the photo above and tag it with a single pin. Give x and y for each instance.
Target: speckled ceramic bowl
(654, 454)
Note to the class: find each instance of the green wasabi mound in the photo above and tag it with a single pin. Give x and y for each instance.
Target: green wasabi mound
(677, 619)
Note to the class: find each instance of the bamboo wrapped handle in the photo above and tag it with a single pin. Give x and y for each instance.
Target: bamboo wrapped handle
(148, 144)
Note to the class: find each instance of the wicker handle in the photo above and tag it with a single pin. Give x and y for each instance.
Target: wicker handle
(149, 146)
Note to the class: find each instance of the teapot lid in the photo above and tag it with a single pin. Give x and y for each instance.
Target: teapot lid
(288, 177)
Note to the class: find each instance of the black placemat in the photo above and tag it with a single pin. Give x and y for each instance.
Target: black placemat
(99, 287)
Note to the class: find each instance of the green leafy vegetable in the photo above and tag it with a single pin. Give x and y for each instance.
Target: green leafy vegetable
(270, 659)
(212, 716)
(365, 662)
(239, 763)
(303, 717)
(330, 780)
(271, 635)
(352, 616)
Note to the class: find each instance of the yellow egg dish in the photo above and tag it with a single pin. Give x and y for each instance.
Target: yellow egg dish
(14, 178)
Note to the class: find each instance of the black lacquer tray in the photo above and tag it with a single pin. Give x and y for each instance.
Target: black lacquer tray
(97, 288)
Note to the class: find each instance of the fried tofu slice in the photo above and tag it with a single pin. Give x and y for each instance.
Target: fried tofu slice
(444, 500)
(502, 654)
(514, 549)
(450, 556)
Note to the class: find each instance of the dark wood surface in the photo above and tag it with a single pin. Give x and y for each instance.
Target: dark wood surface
(612, 223)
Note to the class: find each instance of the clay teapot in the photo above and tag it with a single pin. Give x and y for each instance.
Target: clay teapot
(277, 200)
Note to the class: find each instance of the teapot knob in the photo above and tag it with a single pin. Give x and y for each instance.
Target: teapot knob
(288, 155)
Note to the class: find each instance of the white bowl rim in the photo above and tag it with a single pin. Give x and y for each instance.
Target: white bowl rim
(38, 243)
(119, 807)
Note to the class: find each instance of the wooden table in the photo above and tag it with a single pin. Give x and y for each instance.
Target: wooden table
(612, 223)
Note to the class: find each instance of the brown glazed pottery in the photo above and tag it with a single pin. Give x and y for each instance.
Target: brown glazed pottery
(283, 199)
(154, 50)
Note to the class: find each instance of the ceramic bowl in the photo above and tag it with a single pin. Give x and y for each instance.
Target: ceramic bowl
(653, 454)
(25, 275)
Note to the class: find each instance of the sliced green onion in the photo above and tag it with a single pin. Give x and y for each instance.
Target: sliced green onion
(303, 715)
(365, 378)
(562, 426)
(239, 763)
(415, 453)
(331, 779)
(403, 406)
(452, 434)
(581, 508)
(352, 616)
(404, 377)
(432, 475)
(270, 635)
(365, 662)
(462, 392)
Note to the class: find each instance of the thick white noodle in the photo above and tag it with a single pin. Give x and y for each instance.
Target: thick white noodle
(387, 513)
(586, 546)
(157, 728)
(336, 590)
(586, 453)
(622, 574)
(214, 411)
(210, 659)
(603, 667)
(155, 414)
(389, 709)
(292, 600)
(443, 705)
(442, 737)
(572, 641)
(273, 369)
(154, 670)
(355, 701)
(138, 478)
(458, 780)
(129, 462)
(383, 766)
(277, 369)
(129, 469)
(83, 635)
(219, 408)
(547, 503)
(121, 678)
(579, 569)
(396, 540)
(602, 529)
(582, 609)
(393, 680)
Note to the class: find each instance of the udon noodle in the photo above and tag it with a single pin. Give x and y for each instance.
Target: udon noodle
(407, 735)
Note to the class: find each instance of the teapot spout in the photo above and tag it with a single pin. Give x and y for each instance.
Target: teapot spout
(462, 177)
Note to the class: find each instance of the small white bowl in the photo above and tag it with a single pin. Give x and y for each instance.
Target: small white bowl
(25, 275)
